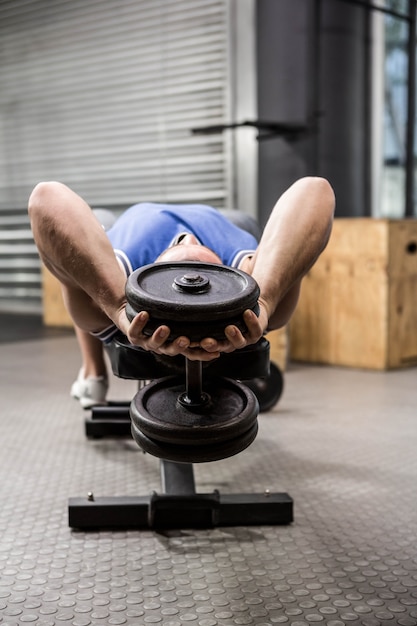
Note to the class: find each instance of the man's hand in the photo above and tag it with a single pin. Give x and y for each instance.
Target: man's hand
(235, 339)
(208, 349)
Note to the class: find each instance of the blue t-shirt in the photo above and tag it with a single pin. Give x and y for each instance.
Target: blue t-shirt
(145, 230)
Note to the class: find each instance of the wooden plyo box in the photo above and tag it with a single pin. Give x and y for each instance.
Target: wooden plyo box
(279, 347)
(54, 312)
(358, 304)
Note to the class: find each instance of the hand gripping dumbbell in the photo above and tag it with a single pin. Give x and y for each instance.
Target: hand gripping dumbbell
(184, 418)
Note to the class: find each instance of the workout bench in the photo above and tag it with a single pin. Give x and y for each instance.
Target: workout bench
(190, 412)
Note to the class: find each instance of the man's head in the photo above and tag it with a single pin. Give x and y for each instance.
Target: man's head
(189, 249)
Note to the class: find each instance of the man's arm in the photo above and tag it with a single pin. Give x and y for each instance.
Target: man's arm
(296, 233)
(75, 248)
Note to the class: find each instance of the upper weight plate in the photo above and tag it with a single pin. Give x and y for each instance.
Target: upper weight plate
(194, 299)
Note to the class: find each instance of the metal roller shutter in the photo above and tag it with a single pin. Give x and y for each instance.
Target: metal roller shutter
(102, 95)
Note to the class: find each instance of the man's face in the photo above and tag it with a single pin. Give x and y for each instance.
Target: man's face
(189, 249)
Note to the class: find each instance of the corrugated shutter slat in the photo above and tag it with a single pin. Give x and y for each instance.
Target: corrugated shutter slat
(102, 95)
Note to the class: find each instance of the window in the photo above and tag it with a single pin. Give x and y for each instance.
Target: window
(395, 167)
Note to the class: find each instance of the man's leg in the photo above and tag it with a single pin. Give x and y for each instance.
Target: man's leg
(91, 385)
(92, 354)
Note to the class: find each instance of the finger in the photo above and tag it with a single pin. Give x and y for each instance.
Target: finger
(182, 343)
(177, 347)
(136, 326)
(219, 347)
(158, 338)
(253, 325)
(209, 344)
(191, 350)
(235, 337)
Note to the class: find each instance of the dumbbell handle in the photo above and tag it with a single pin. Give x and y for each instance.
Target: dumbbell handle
(194, 396)
(193, 380)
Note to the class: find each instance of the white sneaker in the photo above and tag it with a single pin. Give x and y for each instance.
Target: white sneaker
(90, 391)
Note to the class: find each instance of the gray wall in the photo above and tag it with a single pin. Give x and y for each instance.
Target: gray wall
(313, 70)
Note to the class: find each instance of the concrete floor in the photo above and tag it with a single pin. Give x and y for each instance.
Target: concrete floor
(341, 442)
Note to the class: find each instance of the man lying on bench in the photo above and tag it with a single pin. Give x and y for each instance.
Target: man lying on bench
(92, 266)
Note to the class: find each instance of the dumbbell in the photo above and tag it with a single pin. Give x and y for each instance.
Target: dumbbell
(181, 418)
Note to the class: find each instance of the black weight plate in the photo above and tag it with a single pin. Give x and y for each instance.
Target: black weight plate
(195, 331)
(231, 410)
(194, 299)
(226, 291)
(195, 454)
(268, 390)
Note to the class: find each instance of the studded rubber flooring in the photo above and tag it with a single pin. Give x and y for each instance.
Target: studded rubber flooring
(341, 442)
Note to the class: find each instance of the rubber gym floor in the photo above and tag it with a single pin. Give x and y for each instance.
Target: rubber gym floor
(341, 442)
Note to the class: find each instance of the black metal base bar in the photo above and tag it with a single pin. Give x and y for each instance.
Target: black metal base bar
(179, 511)
(180, 506)
(112, 420)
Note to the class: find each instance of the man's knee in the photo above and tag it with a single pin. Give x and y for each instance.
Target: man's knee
(41, 197)
(320, 188)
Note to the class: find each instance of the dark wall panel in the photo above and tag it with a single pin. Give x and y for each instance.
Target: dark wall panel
(312, 70)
